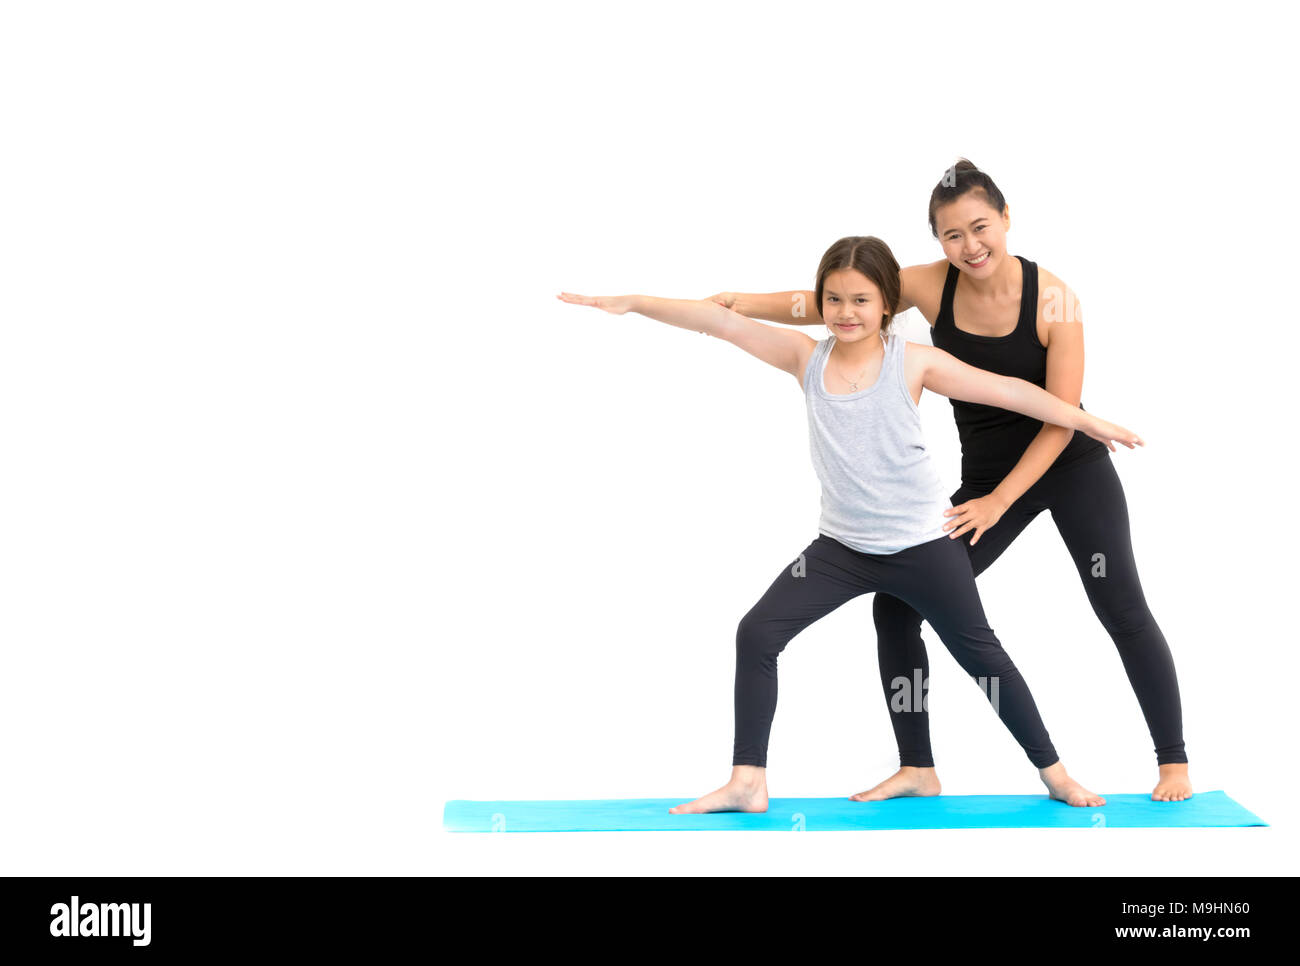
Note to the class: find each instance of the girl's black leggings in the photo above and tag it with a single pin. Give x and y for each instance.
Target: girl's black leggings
(1088, 507)
(935, 578)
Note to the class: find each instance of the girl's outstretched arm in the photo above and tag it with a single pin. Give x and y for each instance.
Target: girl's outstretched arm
(949, 376)
(784, 348)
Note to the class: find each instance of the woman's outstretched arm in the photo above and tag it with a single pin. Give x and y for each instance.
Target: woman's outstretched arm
(783, 348)
(801, 308)
(949, 376)
(792, 308)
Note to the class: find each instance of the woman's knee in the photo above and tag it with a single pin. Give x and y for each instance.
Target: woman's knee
(1125, 618)
(892, 615)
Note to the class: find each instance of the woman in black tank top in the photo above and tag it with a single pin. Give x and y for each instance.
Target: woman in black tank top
(1013, 467)
(993, 440)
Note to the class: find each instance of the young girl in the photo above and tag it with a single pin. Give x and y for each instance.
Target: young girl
(1016, 320)
(881, 525)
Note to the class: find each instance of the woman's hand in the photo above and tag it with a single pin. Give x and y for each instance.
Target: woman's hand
(726, 299)
(980, 513)
(614, 304)
(1101, 430)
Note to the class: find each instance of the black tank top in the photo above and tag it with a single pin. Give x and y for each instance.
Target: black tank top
(993, 440)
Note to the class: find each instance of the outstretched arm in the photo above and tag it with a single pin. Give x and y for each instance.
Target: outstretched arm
(953, 378)
(783, 348)
(801, 308)
(792, 308)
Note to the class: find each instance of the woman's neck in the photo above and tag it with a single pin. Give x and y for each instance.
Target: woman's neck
(1003, 283)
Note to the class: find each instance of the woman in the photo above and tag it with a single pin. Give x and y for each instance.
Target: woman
(1016, 320)
(880, 528)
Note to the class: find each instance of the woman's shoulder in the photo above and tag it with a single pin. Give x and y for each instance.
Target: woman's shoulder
(1057, 302)
(923, 286)
(928, 272)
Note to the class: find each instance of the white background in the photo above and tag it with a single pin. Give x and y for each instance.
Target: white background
(320, 510)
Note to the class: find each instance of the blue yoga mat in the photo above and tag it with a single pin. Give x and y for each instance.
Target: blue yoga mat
(1204, 809)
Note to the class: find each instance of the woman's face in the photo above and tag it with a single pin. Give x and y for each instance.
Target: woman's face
(852, 306)
(973, 234)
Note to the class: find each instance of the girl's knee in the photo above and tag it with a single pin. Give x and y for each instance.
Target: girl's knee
(757, 636)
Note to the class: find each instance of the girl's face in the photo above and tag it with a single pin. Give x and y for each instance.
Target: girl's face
(852, 306)
(973, 234)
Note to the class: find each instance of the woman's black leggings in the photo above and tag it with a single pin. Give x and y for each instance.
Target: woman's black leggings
(1088, 507)
(935, 578)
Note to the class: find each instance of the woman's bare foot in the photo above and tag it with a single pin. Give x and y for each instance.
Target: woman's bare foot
(1174, 785)
(905, 782)
(1065, 789)
(746, 792)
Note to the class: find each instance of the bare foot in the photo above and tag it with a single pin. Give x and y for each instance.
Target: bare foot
(1174, 785)
(905, 782)
(746, 792)
(1065, 789)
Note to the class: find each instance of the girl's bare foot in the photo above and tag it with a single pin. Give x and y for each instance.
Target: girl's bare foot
(1174, 785)
(905, 782)
(746, 792)
(1065, 789)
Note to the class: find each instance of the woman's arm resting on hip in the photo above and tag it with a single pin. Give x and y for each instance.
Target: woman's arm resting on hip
(1065, 382)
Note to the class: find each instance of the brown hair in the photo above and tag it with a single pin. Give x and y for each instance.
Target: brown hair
(870, 256)
(957, 181)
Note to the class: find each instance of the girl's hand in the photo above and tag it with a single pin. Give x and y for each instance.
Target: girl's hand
(980, 513)
(1101, 430)
(725, 299)
(614, 304)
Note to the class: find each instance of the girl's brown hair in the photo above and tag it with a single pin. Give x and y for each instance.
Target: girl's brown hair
(870, 256)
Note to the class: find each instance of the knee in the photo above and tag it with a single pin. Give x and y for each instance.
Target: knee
(979, 653)
(757, 638)
(893, 616)
(1125, 618)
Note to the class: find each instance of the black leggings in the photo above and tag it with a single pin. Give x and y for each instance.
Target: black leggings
(1089, 509)
(934, 577)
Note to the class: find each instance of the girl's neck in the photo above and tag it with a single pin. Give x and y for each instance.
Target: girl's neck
(856, 355)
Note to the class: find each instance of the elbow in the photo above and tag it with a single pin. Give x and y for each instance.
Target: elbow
(1012, 393)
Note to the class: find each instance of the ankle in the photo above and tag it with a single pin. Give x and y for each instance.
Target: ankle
(1053, 772)
(751, 776)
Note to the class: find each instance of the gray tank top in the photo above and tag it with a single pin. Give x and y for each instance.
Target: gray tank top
(880, 492)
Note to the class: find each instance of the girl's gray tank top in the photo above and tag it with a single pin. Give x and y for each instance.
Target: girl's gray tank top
(880, 491)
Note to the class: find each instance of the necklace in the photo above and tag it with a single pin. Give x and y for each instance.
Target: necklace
(853, 383)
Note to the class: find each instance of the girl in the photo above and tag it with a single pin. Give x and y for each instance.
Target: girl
(1016, 320)
(882, 501)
